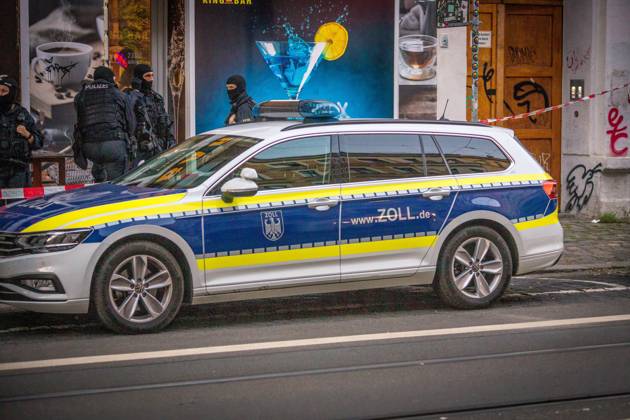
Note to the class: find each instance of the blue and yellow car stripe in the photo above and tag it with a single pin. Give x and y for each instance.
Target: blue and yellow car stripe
(168, 205)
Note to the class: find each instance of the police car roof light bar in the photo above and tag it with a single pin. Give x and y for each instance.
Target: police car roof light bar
(296, 110)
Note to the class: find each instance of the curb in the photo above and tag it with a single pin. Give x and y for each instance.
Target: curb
(584, 267)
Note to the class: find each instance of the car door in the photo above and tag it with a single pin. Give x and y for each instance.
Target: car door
(287, 232)
(394, 202)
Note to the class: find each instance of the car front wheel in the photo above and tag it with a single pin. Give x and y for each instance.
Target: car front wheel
(138, 287)
(474, 268)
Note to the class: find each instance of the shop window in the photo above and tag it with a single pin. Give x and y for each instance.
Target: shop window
(129, 37)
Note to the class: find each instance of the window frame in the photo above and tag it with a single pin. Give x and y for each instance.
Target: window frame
(210, 191)
(424, 156)
(482, 137)
(346, 162)
(431, 134)
(337, 160)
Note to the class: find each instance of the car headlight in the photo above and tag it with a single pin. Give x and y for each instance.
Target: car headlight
(59, 240)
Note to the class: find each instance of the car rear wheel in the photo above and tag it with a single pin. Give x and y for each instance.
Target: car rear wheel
(474, 268)
(138, 287)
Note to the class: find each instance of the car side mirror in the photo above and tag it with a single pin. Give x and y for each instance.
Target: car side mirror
(243, 186)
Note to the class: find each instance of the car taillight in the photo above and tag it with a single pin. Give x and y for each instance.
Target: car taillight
(551, 189)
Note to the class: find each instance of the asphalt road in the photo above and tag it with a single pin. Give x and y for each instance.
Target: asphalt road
(557, 345)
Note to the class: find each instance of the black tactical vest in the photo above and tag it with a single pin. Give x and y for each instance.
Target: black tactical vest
(101, 113)
(12, 146)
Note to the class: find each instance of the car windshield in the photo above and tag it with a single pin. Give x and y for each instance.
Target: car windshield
(188, 164)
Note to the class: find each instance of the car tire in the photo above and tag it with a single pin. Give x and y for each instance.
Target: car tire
(466, 281)
(138, 287)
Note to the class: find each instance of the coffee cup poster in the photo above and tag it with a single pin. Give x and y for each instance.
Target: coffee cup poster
(65, 44)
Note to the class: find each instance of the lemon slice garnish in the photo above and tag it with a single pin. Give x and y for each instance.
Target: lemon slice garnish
(336, 36)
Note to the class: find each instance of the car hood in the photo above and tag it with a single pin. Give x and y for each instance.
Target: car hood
(29, 214)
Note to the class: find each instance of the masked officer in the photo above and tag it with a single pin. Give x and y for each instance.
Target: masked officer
(106, 126)
(241, 103)
(18, 137)
(153, 130)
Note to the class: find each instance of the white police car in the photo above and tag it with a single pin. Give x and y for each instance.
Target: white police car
(280, 208)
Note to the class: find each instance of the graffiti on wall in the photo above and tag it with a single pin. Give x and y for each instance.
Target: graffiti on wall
(616, 132)
(524, 90)
(544, 158)
(486, 77)
(521, 92)
(521, 55)
(576, 59)
(580, 186)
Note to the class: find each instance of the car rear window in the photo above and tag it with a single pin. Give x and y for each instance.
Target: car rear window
(467, 155)
(373, 157)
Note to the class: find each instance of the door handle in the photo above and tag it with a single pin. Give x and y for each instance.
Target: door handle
(436, 193)
(323, 204)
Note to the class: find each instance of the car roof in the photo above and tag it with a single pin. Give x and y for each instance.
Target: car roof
(274, 129)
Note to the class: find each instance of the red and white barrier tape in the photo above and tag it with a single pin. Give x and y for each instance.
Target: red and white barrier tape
(551, 108)
(34, 192)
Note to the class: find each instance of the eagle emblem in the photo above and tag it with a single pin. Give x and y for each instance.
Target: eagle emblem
(272, 224)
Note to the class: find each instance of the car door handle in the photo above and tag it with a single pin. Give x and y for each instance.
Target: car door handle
(436, 193)
(323, 204)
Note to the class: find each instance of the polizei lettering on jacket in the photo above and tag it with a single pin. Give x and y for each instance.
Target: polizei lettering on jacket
(96, 86)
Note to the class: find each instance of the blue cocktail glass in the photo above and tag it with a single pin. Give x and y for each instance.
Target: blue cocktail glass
(292, 62)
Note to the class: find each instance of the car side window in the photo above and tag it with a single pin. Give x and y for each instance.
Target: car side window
(373, 157)
(435, 163)
(468, 155)
(294, 163)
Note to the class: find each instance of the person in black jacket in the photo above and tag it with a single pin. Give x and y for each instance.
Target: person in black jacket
(106, 125)
(153, 128)
(241, 103)
(18, 137)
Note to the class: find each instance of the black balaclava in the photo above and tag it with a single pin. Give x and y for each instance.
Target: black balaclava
(138, 73)
(239, 81)
(104, 73)
(7, 100)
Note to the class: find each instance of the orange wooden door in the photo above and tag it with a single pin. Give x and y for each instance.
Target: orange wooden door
(533, 79)
(521, 72)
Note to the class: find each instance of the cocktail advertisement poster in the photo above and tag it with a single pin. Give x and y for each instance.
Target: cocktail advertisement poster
(342, 51)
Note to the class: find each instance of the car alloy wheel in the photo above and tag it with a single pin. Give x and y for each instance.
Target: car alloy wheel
(140, 288)
(477, 267)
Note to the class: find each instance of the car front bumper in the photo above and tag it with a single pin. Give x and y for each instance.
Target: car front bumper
(69, 269)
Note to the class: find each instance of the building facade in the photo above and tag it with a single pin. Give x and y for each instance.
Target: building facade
(533, 54)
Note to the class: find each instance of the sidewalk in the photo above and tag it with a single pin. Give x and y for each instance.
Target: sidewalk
(593, 245)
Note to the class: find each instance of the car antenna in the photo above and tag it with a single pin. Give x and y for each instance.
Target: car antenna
(444, 112)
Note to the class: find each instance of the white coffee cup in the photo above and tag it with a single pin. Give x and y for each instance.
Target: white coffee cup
(62, 63)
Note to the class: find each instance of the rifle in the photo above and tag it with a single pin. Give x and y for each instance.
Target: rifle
(147, 139)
